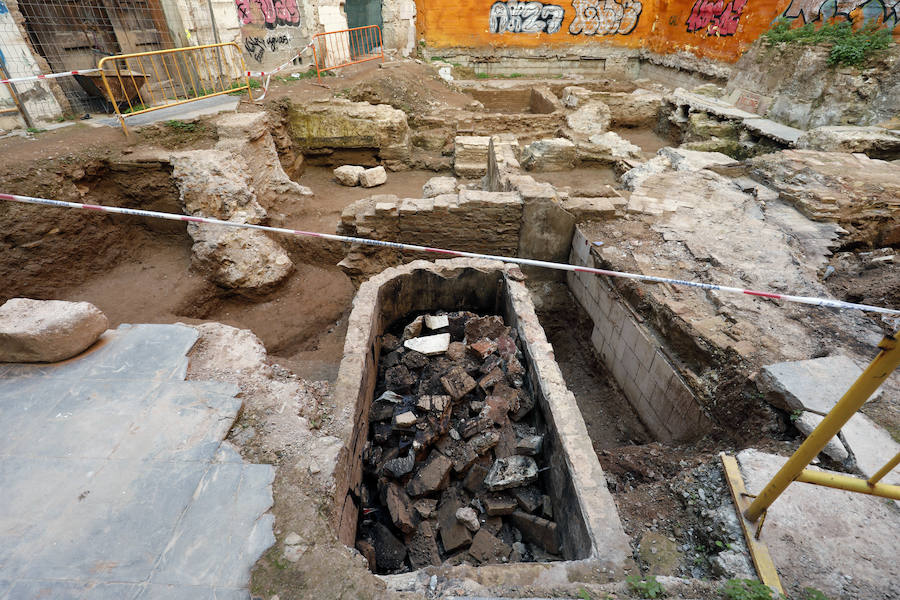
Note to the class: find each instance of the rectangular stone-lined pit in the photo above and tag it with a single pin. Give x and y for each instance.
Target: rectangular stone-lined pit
(590, 527)
(652, 385)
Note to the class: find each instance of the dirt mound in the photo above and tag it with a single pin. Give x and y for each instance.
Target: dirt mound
(413, 88)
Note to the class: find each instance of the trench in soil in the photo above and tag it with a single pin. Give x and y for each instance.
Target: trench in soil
(144, 276)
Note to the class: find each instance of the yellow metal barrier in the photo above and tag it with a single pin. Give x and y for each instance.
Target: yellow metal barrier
(794, 469)
(146, 81)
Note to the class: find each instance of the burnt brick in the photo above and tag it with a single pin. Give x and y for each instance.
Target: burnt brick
(537, 530)
(399, 379)
(479, 328)
(414, 360)
(499, 504)
(432, 476)
(486, 548)
(474, 480)
(483, 348)
(389, 551)
(491, 379)
(400, 509)
(454, 534)
(423, 547)
(458, 383)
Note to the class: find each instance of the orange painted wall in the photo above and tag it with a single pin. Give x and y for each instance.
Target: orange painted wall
(708, 28)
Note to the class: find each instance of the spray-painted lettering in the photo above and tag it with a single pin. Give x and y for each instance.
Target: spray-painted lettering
(526, 17)
(274, 12)
(887, 11)
(605, 17)
(3, 9)
(716, 16)
(256, 47)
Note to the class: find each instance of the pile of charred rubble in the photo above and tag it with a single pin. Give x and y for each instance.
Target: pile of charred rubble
(455, 450)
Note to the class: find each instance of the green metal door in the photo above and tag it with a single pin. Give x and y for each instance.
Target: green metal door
(361, 13)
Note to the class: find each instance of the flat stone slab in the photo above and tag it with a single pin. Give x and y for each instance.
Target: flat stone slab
(116, 481)
(776, 131)
(815, 385)
(841, 543)
(429, 345)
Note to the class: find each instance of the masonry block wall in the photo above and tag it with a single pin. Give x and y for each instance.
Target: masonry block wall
(664, 403)
(472, 220)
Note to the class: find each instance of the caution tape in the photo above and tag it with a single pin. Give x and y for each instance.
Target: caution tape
(824, 302)
(48, 76)
(280, 67)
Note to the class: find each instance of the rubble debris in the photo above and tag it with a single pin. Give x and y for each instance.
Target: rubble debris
(468, 517)
(454, 449)
(429, 345)
(438, 186)
(511, 472)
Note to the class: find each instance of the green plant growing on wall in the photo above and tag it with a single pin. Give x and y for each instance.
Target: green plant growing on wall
(647, 587)
(848, 46)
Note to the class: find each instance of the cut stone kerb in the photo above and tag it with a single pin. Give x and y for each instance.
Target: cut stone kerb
(589, 526)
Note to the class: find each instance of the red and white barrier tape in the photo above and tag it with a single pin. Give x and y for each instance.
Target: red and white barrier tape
(826, 302)
(280, 67)
(48, 76)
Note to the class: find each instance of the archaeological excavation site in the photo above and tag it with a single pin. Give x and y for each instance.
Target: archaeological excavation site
(395, 299)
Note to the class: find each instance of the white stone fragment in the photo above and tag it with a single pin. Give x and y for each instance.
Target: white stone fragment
(348, 175)
(468, 517)
(429, 345)
(406, 419)
(436, 321)
(372, 177)
(47, 330)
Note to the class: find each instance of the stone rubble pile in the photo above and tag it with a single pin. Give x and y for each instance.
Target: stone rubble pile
(451, 469)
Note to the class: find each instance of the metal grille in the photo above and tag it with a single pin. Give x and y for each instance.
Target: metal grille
(44, 36)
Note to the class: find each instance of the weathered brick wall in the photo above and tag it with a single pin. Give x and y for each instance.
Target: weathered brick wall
(664, 402)
(471, 220)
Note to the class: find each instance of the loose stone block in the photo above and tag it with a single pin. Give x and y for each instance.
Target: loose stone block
(429, 345)
(511, 472)
(348, 175)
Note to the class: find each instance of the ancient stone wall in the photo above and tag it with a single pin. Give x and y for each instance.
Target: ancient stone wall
(604, 28)
(639, 365)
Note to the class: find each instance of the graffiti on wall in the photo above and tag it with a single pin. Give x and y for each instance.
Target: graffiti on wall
(3, 9)
(716, 16)
(256, 47)
(605, 17)
(888, 11)
(526, 17)
(274, 12)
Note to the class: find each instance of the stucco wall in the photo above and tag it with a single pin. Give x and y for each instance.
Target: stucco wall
(707, 28)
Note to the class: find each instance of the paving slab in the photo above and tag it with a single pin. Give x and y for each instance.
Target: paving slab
(776, 131)
(841, 543)
(815, 385)
(116, 480)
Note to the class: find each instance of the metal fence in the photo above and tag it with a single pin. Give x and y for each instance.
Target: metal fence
(145, 81)
(336, 49)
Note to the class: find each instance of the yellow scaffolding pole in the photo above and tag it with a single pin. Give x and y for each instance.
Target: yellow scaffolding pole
(877, 371)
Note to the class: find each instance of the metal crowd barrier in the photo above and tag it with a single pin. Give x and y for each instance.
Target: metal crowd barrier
(146, 81)
(336, 49)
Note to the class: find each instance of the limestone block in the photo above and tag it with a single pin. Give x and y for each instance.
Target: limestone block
(607, 148)
(339, 123)
(47, 330)
(213, 185)
(471, 155)
(876, 142)
(373, 177)
(238, 259)
(591, 117)
(437, 186)
(348, 175)
(556, 154)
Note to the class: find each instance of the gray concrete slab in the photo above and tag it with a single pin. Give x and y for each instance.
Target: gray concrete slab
(841, 543)
(183, 112)
(773, 130)
(115, 479)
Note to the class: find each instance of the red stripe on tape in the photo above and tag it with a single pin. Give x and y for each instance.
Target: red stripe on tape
(763, 294)
(192, 219)
(92, 207)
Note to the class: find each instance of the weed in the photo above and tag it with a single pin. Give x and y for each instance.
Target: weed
(515, 75)
(35, 130)
(795, 415)
(583, 594)
(848, 46)
(181, 126)
(746, 589)
(645, 588)
(482, 75)
(809, 593)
